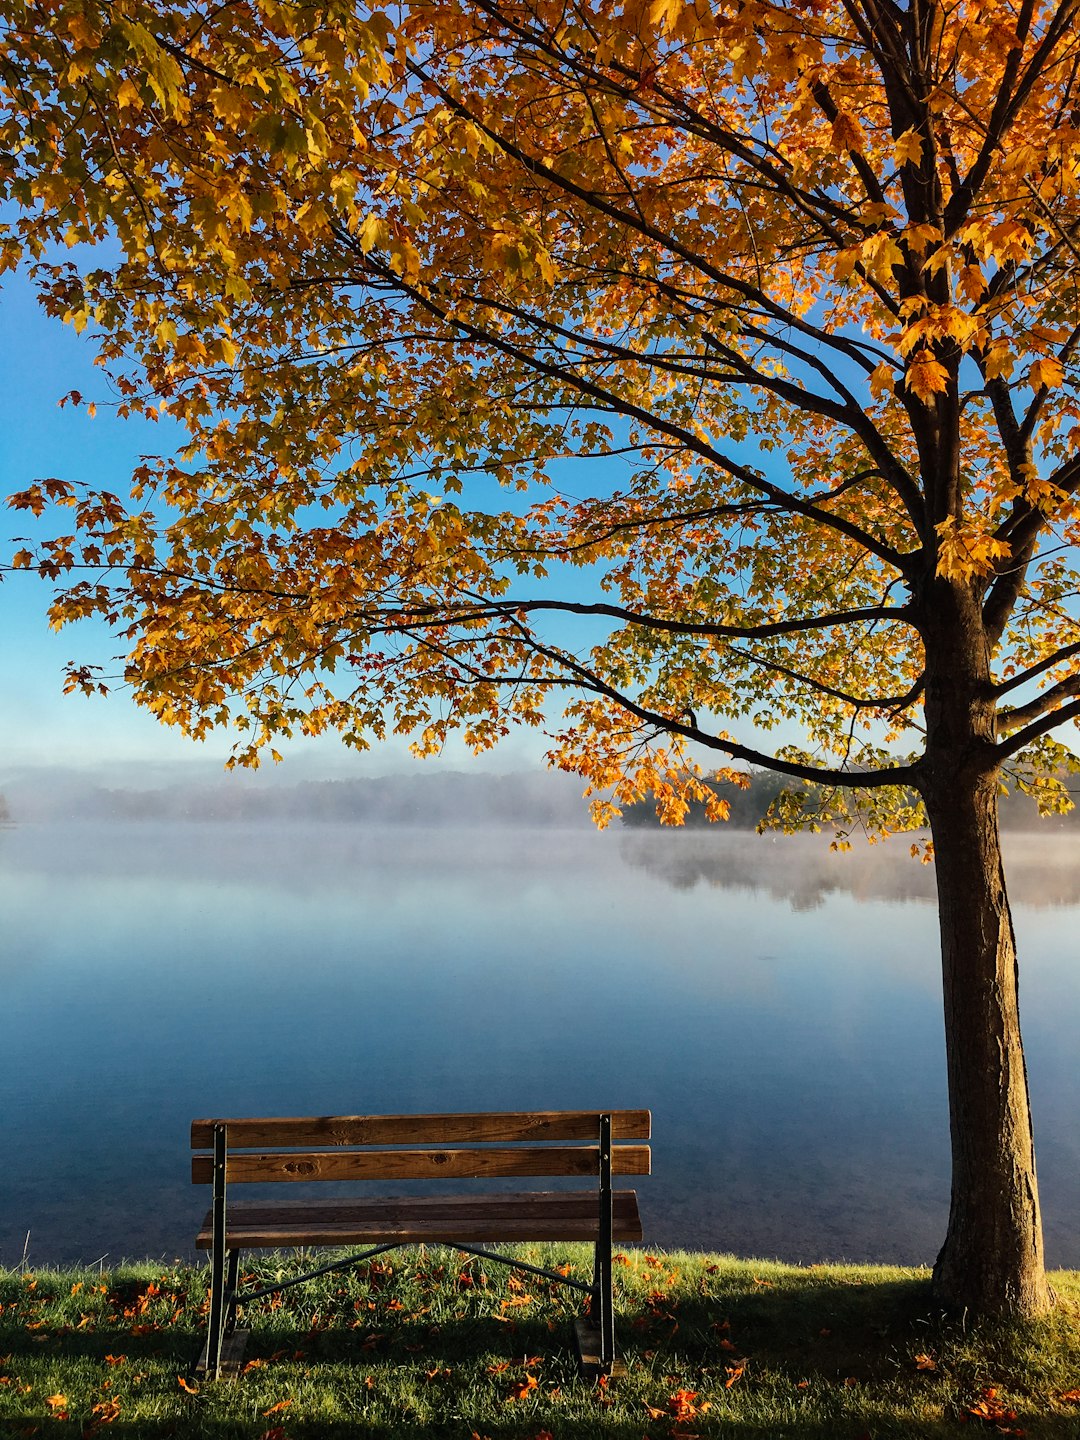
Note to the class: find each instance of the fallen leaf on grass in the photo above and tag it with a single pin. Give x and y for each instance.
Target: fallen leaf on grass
(734, 1372)
(991, 1409)
(682, 1406)
(276, 1432)
(56, 1402)
(281, 1405)
(1071, 1395)
(521, 1388)
(925, 1362)
(186, 1384)
(104, 1413)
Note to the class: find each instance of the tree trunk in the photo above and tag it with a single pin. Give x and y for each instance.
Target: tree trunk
(992, 1259)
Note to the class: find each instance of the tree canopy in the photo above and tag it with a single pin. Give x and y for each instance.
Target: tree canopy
(382, 265)
(660, 373)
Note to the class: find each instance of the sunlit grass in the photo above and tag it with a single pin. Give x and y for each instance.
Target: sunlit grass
(435, 1343)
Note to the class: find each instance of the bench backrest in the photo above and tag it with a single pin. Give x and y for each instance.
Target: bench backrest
(421, 1147)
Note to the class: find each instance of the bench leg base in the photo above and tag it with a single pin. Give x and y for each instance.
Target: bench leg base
(232, 1355)
(587, 1343)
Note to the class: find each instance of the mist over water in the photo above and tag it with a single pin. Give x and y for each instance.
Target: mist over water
(776, 1006)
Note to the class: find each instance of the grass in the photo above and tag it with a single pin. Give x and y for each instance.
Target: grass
(428, 1343)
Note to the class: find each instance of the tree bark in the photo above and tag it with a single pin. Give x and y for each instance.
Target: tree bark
(992, 1258)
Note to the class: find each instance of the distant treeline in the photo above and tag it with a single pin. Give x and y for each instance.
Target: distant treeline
(749, 806)
(425, 798)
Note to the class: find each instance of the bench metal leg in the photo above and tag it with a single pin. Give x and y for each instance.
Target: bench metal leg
(603, 1252)
(596, 1339)
(603, 1310)
(215, 1326)
(230, 1291)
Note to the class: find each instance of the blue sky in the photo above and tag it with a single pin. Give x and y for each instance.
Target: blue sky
(40, 361)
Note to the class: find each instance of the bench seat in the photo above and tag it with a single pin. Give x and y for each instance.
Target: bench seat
(537, 1215)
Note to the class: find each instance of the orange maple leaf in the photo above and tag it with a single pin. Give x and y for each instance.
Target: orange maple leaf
(926, 376)
(991, 1409)
(104, 1413)
(682, 1406)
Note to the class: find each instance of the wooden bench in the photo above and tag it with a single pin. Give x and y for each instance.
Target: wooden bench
(519, 1145)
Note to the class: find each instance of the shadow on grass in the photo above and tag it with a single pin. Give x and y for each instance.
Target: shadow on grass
(825, 1359)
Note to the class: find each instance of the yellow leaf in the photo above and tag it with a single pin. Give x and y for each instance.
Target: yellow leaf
(373, 234)
(971, 283)
(1046, 371)
(999, 361)
(882, 380)
(664, 14)
(926, 377)
(908, 148)
(847, 133)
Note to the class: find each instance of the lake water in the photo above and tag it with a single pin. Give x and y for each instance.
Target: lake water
(777, 1007)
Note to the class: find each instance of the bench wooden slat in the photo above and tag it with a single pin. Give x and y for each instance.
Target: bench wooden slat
(562, 1216)
(247, 1168)
(318, 1130)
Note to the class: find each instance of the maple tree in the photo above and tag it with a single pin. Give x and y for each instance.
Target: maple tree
(798, 281)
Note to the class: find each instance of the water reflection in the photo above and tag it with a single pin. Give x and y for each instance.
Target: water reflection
(778, 1007)
(1042, 870)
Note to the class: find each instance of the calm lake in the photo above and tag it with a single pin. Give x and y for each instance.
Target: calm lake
(776, 1006)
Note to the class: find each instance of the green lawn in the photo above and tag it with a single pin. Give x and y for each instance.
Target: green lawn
(428, 1343)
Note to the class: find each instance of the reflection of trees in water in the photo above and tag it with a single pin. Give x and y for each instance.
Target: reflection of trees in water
(1044, 870)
